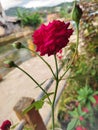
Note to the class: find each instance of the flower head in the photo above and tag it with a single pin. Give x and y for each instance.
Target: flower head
(96, 100)
(85, 109)
(76, 13)
(77, 104)
(81, 118)
(5, 125)
(52, 38)
(18, 45)
(9, 64)
(80, 128)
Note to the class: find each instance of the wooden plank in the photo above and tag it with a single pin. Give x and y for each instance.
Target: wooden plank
(32, 117)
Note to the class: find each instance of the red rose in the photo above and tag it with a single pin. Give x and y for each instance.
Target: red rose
(81, 118)
(96, 99)
(77, 104)
(51, 38)
(80, 128)
(84, 109)
(5, 125)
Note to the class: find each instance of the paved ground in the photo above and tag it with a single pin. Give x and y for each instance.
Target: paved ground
(16, 85)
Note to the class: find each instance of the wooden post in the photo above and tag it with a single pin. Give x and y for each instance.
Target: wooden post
(32, 117)
(1, 78)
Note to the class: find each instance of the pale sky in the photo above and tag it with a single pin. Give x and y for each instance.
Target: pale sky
(30, 3)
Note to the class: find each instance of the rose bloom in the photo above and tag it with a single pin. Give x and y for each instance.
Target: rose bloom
(5, 125)
(50, 39)
(96, 99)
(77, 104)
(80, 128)
(81, 118)
(84, 109)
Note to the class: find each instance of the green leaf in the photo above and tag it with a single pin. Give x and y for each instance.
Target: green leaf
(93, 72)
(83, 113)
(71, 113)
(92, 99)
(72, 124)
(80, 99)
(74, 113)
(14, 126)
(79, 109)
(28, 109)
(89, 106)
(38, 104)
(25, 128)
(79, 71)
(41, 83)
(48, 94)
(95, 93)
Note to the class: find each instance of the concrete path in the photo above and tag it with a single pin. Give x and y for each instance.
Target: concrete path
(16, 85)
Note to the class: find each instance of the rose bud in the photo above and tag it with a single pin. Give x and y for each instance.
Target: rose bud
(81, 118)
(80, 128)
(76, 13)
(5, 125)
(17, 45)
(9, 64)
(96, 100)
(86, 110)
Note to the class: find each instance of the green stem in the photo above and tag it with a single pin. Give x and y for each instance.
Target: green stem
(76, 51)
(75, 1)
(55, 93)
(42, 60)
(35, 82)
(66, 69)
(56, 64)
(77, 31)
(53, 105)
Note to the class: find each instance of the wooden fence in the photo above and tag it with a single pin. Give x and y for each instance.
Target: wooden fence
(33, 117)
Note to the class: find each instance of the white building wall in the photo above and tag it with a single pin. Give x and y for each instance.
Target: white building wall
(2, 14)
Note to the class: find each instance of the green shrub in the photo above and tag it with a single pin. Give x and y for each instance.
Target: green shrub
(29, 19)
